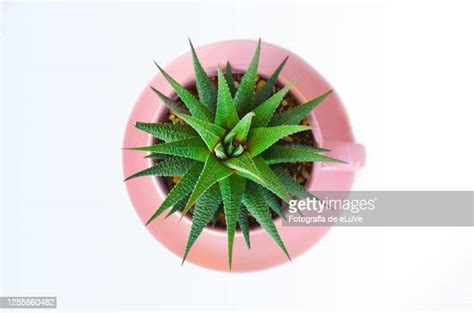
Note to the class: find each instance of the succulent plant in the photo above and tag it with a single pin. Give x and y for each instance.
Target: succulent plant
(228, 153)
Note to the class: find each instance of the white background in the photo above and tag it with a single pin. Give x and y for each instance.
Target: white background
(72, 72)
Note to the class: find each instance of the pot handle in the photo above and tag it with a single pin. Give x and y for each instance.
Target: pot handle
(351, 153)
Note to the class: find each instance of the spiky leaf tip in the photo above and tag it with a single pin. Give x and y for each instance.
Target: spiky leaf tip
(255, 204)
(264, 112)
(203, 213)
(196, 108)
(266, 91)
(174, 166)
(296, 153)
(205, 87)
(245, 95)
(170, 104)
(229, 77)
(296, 114)
(232, 191)
(226, 113)
(166, 131)
(179, 191)
(191, 148)
(244, 225)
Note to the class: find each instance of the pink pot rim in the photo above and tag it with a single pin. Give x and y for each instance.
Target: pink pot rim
(210, 250)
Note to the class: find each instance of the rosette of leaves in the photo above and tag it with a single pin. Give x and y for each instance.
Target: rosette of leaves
(228, 153)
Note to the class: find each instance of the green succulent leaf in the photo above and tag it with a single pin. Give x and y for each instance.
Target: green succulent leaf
(295, 153)
(170, 104)
(256, 205)
(205, 87)
(237, 150)
(244, 225)
(307, 148)
(191, 148)
(271, 180)
(267, 90)
(166, 131)
(261, 138)
(196, 108)
(240, 132)
(244, 97)
(229, 149)
(272, 201)
(232, 190)
(180, 190)
(226, 114)
(244, 166)
(296, 114)
(204, 211)
(209, 133)
(229, 77)
(212, 172)
(174, 166)
(291, 186)
(251, 169)
(179, 205)
(219, 150)
(264, 112)
(156, 156)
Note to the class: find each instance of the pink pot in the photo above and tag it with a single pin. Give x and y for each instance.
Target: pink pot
(331, 130)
